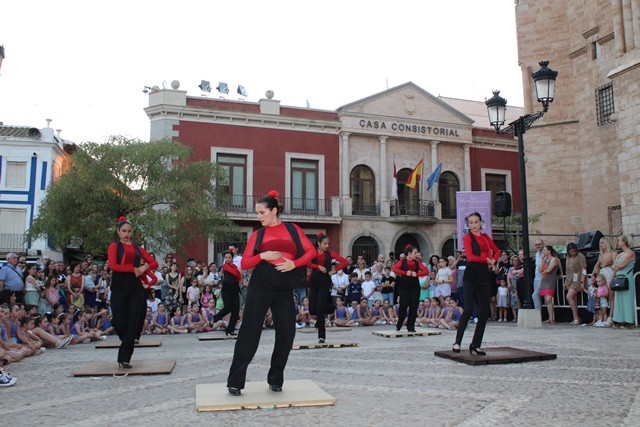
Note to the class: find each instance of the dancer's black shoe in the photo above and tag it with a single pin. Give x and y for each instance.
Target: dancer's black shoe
(476, 350)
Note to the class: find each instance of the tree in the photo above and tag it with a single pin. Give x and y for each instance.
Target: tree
(169, 198)
(512, 228)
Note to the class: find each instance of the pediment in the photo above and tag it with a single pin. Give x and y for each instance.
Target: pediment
(407, 101)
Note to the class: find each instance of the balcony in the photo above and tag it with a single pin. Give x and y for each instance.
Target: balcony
(12, 242)
(294, 209)
(423, 211)
(365, 209)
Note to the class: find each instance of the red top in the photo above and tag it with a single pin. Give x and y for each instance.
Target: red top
(412, 267)
(232, 269)
(342, 263)
(487, 247)
(129, 256)
(277, 238)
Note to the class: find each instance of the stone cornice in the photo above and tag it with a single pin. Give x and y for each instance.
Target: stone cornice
(236, 118)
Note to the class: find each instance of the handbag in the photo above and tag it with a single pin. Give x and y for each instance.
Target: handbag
(619, 283)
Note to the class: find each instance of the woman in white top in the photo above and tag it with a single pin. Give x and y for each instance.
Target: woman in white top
(206, 278)
(32, 289)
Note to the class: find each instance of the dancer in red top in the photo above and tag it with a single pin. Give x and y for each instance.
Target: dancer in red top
(407, 271)
(482, 255)
(274, 251)
(230, 293)
(320, 302)
(128, 303)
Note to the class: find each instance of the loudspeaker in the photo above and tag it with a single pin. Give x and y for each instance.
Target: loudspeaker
(589, 241)
(502, 204)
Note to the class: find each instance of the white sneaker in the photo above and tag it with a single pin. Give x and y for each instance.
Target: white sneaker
(6, 380)
(598, 323)
(499, 320)
(475, 320)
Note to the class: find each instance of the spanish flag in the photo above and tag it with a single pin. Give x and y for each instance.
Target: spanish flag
(415, 176)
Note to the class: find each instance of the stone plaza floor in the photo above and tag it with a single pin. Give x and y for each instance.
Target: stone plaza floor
(384, 381)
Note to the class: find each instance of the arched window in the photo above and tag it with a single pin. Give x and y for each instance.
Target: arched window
(448, 185)
(408, 199)
(367, 247)
(363, 191)
(447, 248)
(403, 241)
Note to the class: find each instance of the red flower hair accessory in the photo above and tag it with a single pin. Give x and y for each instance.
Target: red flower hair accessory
(408, 246)
(122, 218)
(273, 193)
(320, 234)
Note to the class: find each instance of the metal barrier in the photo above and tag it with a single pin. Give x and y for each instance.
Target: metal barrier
(560, 299)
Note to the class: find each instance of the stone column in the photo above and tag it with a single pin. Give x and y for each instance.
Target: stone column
(384, 183)
(635, 16)
(627, 21)
(467, 169)
(344, 174)
(618, 27)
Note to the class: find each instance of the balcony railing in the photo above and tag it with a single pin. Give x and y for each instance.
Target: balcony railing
(291, 205)
(424, 208)
(12, 242)
(365, 209)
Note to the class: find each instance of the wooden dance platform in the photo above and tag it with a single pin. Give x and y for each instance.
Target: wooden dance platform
(140, 367)
(331, 329)
(496, 355)
(404, 333)
(214, 397)
(213, 336)
(303, 346)
(116, 344)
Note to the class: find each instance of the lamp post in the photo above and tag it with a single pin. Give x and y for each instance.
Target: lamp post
(544, 80)
(1, 54)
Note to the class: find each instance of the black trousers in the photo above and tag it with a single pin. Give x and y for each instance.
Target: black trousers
(320, 302)
(477, 290)
(259, 299)
(409, 297)
(128, 306)
(231, 301)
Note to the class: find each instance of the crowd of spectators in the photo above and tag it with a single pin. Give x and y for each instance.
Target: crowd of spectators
(54, 305)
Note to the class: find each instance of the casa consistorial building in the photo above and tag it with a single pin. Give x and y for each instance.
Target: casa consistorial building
(335, 169)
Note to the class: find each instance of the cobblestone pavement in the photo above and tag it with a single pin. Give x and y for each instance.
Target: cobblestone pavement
(594, 381)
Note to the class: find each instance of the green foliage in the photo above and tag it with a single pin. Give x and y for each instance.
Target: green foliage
(514, 227)
(168, 198)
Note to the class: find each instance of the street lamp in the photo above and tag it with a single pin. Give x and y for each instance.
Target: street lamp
(1, 55)
(544, 80)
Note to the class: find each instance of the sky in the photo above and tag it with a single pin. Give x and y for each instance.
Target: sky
(84, 64)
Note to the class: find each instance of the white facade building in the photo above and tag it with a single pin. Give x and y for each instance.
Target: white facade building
(30, 159)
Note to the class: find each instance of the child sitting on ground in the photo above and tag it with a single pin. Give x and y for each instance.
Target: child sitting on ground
(303, 313)
(436, 313)
(453, 316)
(195, 322)
(148, 320)
(389, 312)
(341, 315)
(176, 324)
(363, 313)
(104, 323)
(160, 322)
